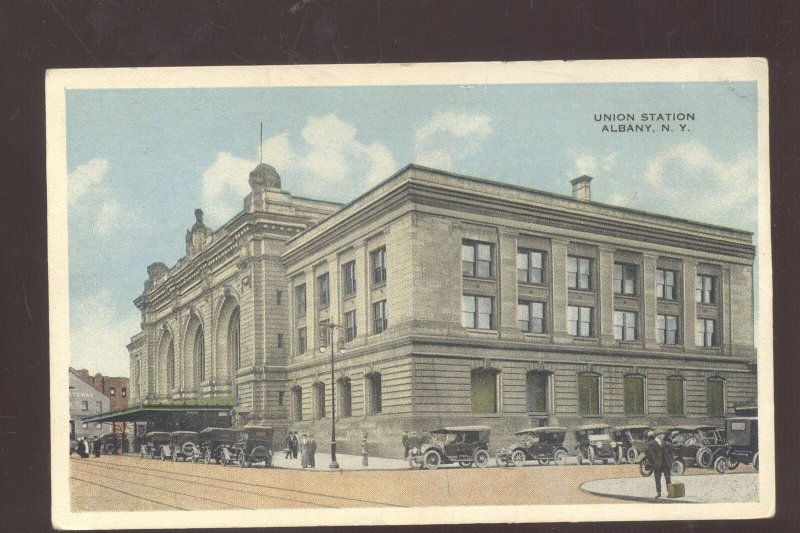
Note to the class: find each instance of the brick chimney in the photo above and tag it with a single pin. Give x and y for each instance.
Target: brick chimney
(582, 188)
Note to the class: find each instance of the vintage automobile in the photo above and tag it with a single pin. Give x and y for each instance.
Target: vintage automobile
(212, 442)
(594, 443)
(632, 440)
(465, 445)
(155, 441)
(109, 443)
(253, 445)
(741, 444)
(542, 444)
(698, 446)
(182, 445)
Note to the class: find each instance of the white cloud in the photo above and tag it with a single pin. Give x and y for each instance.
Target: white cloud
(327, 162)
(721, 191)
(108, 217)
(100, 335)
(85, 177)
(594, 165)
(449, 137)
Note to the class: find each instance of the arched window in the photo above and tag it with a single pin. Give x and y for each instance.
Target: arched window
(233, 340)
(538, 391)
(633, 398)
(200, 355)
(675, 403)
(715, 396)
(484, 390)
(589, 394)
(171, 365)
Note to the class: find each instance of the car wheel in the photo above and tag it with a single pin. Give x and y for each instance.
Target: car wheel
(163, 456)
(633, 455)
(208, 458)
(414, 462)
(242, 461)
(704, 457)
(481, 458)
(580, 457)
(432, 459)
(498, 461)
(677, 468)
(542, 462)
(518, 457)
(560, 457)
(721, 465)
(223, 462)
(645, 467)
(465, 464)
(591, 455)
(755, 461)
(732, 465)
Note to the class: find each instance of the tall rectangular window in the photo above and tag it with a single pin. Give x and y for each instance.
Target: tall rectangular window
(477, 312)
(280, 340)
(580, 321)
(675, 396)
(379, 320)
(477, 259)
(374, 394)
(530, 316)
(715, 397)
(705, 289)
(319, 400)
(537, 391)
(113, 391)
(706, 333)
(302, 341)
(625, 325)
(624, 279)
(98, 406)
(634, 395)
(84, 406)
(297, 403)
(530, 266)
(484, 391)
(378, 261)
(667, 329)
(579, 273)
(323, 289)
(300, 300)
(588, 394)
(345, 398)
(350, 326)
(665, 284)
(349, 276)
(324, 331)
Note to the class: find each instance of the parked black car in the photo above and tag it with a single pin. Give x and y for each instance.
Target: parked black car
(741, 445)
(542, 444)
(213, 441)
(465, 445)
(698, 446)
(253, 445)
(155, 441)
(182, 445)
(632, 441)
(594, 443)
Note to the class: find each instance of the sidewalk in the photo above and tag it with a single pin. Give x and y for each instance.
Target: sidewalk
(711, 488)
(346, 462)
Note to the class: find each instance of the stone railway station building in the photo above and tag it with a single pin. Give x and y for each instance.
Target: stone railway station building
(450, 300)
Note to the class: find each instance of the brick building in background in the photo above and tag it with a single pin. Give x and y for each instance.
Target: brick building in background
(457, 301)
(116, 389)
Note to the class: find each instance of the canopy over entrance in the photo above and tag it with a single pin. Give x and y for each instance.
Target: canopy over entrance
(191, 414)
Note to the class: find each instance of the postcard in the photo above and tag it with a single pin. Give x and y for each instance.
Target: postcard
(410, 294)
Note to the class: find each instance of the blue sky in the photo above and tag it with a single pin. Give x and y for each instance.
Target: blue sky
(141, 160)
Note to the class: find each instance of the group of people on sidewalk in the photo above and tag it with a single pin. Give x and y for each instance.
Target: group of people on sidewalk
(87, 446)
(305, 445)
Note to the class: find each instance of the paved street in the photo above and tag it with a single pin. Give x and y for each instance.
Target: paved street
(122, 483)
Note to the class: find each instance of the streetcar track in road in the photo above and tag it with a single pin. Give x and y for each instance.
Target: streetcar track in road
(152, 472)
(171, 473)
(137, 496)
(128, 481)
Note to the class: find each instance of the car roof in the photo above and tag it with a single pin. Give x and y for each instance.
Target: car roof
(154, 433)
(593, 426)
(545, 429)
(183, 433)
(692, 428)
(634, 426)
(209, 430)
(461, 429)
(742, 418)
(244, 428)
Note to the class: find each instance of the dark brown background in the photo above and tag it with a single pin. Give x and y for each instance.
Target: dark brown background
(37, 35)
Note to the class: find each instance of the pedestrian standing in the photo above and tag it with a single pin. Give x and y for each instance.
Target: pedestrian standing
(660, 455)
(97, 446)
(288, 444)
(295, 445)
(312, 452)
(406, 443)
(304, 451)
(364, 454)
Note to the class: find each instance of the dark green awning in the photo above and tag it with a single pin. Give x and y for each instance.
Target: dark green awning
(146, 411)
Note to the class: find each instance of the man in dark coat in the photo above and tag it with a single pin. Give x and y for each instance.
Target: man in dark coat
(97, 446)
(312, 452)
(288, 443)
(660, 455)
(295, 445)
(406, 443)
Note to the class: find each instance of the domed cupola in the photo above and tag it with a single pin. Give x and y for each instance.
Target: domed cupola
(263, 177)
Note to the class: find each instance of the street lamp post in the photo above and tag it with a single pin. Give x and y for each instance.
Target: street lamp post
(331, 327)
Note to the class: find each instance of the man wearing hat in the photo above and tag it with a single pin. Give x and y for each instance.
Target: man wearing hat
(660, 455)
